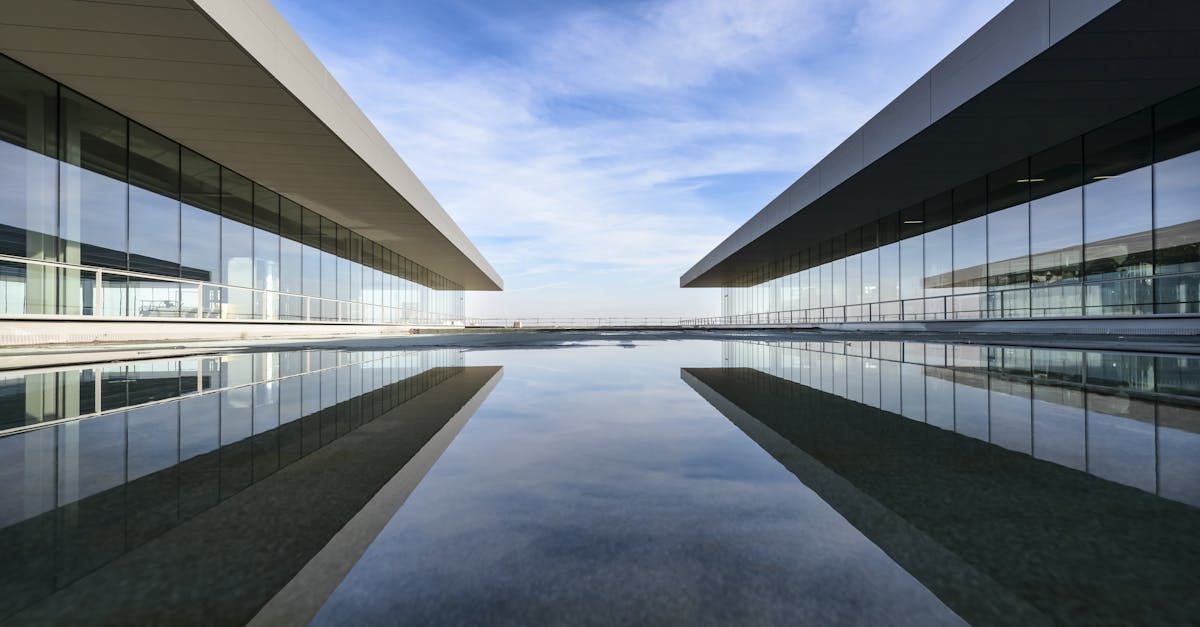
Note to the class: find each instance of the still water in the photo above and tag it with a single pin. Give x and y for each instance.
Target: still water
(684, 482)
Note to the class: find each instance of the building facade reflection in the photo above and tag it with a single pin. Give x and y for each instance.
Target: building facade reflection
(186, 467)
(1009, 480)
(1129, 418)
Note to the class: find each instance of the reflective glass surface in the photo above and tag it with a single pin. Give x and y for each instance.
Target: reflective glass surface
(100, 215)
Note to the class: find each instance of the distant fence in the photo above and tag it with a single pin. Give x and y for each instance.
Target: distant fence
(580, 322)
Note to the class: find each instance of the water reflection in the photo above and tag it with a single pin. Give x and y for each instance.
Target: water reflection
(937, 483)
(193, 489)
(963, 463)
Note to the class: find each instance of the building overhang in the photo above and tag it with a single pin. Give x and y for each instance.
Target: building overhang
(231, 80)
(1039, 73)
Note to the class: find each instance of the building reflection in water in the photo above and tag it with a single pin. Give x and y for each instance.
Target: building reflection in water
(194, 489)
(1018, 484)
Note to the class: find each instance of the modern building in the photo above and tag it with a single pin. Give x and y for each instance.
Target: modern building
(1047, 168)
(193, 162)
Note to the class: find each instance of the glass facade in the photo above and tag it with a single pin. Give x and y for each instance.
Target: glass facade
(101, 216)
(1103, 224)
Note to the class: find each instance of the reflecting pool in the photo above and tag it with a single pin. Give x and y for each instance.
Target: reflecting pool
(617, 481)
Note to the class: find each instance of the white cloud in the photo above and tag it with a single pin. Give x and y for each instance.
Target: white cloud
(593, 165)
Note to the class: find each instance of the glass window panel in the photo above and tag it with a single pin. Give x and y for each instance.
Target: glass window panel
(912, 221)
(266, 243)
(237, 197)
(153, 202)
(1008, 247)
(824, 271)
(328, 235)
(970, 255)
(889, 272)
(28, 164)
(1117, 200)
(938, 212)
(970, 200)
(291, 263)
(854, 279)
(311, 223)
(870, 276)
(912, 268)
(343, 263)
(200, 181)
(199, 257)
(312, 274)
(1008, 186)
(1056, 220)
(1177, 186)
(939, 269)
(837, 271)
(93, 193)
(291, 219)
(237, 246)
(266, 272)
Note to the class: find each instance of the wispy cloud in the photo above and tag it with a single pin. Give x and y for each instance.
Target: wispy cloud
(596, 151)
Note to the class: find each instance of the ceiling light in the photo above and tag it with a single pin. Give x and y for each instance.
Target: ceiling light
(914, 221)
(1105, 177)
(1031, 180)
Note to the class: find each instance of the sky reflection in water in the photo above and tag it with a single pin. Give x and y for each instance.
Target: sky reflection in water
(677, 482)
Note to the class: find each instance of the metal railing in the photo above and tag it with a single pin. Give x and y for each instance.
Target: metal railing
(582, 322)
(35, 288)
(1139, 296)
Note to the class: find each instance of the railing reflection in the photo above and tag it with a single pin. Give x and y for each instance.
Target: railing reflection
(1129, 418)
(1019, 485)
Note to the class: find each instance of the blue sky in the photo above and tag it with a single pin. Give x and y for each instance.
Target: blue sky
(594, 151)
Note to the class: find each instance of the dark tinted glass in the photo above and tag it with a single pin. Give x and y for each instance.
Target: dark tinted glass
(200, 182)
(153, 161)
(290, 219)
(266, 209)
(1117, 202)
(1177, 191)
(1008, 186)
(28, 166)
(93, 196)
(153, 205)
(912, 221)
(938, 212)
(970, 200)
(1056, 214)
(200, 255)
(237, 197)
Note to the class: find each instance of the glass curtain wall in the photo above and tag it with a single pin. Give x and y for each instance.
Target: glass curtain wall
(100, 215)
(1104, 224)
